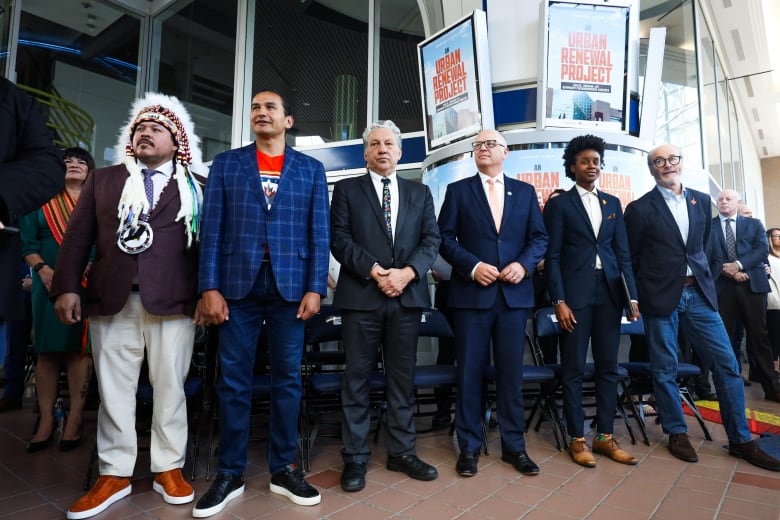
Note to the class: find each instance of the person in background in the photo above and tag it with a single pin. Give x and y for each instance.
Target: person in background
(17, 337)
(493, 236)
(586, 266)
(669, 233)
(264, 265)
(384, 235)
(738, 260)
(773, 298)
(142, 217)
(56, 343)
(548, 344)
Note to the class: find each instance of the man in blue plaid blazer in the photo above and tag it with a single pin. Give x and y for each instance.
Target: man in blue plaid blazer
(263, 262)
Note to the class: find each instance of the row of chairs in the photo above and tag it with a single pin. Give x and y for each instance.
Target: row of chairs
(322, 371)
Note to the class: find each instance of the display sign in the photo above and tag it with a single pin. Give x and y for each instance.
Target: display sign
(455, 82)
(585, 70)
(625, 174)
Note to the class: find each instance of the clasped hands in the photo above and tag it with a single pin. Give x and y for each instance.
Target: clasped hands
(392, 282)
(731, 269)
(486, 274)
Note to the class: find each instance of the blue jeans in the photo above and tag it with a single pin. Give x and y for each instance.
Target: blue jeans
(702, 326)
(238, 337)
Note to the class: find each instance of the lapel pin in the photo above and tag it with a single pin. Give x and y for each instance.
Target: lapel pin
(509, 194)
(693, 201)
(604, 202)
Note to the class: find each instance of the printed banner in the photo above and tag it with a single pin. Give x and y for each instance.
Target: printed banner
(450, 77)
(586, 60)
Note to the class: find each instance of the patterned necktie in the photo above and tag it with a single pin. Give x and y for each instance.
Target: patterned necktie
(495, 205)
(731, 241)
(386, 206)
(149, 186)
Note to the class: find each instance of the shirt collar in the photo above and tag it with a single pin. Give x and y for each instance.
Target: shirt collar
(723, 219)
(378, 178)
(668, 194)
(498, 178)
(165, 168)
(582, 191)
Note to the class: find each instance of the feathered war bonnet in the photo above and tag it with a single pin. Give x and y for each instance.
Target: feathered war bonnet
(169, 112)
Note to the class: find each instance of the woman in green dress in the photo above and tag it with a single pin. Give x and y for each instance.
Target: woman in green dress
(55, 343)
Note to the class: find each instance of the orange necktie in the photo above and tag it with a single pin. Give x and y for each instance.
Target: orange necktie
(495, 205)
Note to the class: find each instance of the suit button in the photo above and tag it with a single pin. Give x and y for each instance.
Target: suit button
(498, 241)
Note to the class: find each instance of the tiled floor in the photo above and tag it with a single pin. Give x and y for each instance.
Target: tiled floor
(43, 485)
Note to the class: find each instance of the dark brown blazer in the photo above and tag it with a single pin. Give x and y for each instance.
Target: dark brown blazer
(167, 272)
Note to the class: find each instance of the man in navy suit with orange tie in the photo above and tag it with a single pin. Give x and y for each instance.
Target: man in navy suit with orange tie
(493, 236)
(586, 256)
(264, 263)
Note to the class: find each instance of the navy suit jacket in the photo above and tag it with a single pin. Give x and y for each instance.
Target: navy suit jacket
(237, 226)
(571, 251)
(659, 254)
(469, 235)
(360, 240)
(752, 248)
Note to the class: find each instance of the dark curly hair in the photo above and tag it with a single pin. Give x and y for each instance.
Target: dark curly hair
(577, 145)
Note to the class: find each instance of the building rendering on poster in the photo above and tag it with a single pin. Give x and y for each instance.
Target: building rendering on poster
(455, 79)
(584, 51)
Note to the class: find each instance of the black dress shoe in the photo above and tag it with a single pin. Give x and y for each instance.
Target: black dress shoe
(521, 461)
(467, 464)
(353, 478)
(33, 447)
(752, 453)
(412, 466)
(10, 404)
(224, 489)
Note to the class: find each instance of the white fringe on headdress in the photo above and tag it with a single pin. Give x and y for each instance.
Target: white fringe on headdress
(133, 202)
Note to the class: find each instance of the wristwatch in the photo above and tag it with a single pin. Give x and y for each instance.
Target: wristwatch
(555, 303)
(40, 265)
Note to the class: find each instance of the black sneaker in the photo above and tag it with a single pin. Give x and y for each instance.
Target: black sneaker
(224, 489)
(290, 483)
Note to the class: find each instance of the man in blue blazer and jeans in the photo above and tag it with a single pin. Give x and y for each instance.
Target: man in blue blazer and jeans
(493, 235)
(263, 263)
(669, 238)
(586, 256)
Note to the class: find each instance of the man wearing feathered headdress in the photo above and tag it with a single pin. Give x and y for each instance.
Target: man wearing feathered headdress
(143, 216)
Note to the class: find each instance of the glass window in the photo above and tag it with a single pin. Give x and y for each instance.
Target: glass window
(316, 55)
(678, 109)
(81, 62)
(399, 79)
(196, 64)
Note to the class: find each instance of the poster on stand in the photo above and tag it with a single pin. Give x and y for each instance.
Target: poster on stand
(585, 67)
(455, 82)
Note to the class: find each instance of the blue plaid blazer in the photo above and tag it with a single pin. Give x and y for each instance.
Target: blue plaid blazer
(237, 225)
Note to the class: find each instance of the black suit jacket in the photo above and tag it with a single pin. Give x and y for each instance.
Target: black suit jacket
(659, 254)
(31, 173)
(359, 240)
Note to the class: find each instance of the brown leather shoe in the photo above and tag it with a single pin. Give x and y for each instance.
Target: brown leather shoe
(580, 453)
(107, 490)
(680, 447)
(752, 453)
(173, 488)
(612, 449)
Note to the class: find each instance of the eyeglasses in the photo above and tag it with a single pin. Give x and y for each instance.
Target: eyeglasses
(490, 144)
(660, 162)
(775, 236)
